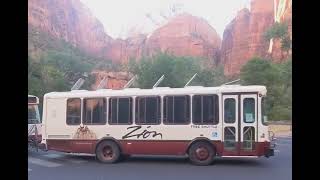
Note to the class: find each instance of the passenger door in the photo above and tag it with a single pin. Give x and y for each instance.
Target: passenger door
(239, 124)
(248, 125)
(230, 125)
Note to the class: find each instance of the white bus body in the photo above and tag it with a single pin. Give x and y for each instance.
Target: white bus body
(202, 122)
(34, 122)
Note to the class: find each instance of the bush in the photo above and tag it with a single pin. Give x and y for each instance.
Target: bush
(177, 71)
(279, 31)
(280, 113)
(59, 64)
(278, 80)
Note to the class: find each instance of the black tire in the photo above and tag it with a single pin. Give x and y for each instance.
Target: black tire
(108, 152)
(201, 153)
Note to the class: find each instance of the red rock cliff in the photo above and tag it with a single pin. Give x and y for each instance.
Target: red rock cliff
(243, 37)
(235, 44)
(283, 14)
(69, 20)
(124, 50)
(115, 80)
(185, 35)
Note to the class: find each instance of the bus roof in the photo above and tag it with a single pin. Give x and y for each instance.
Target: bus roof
(159, 91)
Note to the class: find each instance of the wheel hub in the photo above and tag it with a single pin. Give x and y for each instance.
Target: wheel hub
(202, 153)
(107, 152)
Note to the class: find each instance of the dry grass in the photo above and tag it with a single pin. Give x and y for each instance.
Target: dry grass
(280, 129)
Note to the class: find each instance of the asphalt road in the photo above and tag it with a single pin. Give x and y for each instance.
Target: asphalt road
(59, 166)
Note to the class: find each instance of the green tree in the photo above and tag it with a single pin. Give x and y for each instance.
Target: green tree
(177, 71)
(259, 71)
(279, 31)
(277, 79)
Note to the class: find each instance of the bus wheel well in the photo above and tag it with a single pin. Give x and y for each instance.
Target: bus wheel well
(205, 140)
(108, 139)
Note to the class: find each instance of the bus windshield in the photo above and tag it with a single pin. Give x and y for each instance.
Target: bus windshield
(33, 114)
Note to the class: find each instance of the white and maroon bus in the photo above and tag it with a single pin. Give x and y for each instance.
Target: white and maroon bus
(201, 122)
(34, 122)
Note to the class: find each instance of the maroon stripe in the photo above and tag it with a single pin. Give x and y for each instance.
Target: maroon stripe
(155, 147)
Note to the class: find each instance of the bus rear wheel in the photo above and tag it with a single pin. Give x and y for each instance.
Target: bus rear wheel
(201, 153)
(108, 152)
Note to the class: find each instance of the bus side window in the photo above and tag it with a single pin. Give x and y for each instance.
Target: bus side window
(120, 110)
(73, 111)
(205, 109)
(148, 110)
(94, 110)
(176, 109)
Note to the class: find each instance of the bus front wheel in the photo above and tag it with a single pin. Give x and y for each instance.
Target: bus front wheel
(108, 152)
(201, 153)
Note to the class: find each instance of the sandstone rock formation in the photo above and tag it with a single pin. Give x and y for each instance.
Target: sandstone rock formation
(115, 80)
(185, 35)
(243, 37)
(235, 44)
(283, 14)
(262, 17)
(71, 21)
(124, 50)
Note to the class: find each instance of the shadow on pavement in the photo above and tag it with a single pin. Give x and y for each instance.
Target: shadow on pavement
(175, 160)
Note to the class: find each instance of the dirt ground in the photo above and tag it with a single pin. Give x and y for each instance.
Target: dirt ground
(280, 130)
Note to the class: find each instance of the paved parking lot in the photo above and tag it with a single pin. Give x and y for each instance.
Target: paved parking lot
(59, 166)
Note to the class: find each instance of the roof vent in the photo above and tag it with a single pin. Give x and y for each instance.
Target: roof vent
(161, 88)
(104, 90)
(194, 87)
(79, 90)
(131, 89)
(231, 85)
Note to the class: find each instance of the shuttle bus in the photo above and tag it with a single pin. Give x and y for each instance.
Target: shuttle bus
(200, 122)
(34, 122)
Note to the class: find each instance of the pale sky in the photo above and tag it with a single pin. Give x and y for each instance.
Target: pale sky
(122, 17)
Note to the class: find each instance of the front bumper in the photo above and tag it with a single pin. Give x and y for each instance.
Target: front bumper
(269, 152)
(43, 147)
